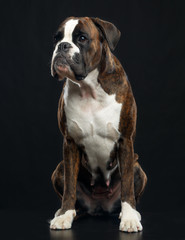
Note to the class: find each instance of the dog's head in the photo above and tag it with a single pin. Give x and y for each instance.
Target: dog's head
(78, 46)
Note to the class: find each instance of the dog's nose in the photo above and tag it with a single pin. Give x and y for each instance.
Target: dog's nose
(64, 46)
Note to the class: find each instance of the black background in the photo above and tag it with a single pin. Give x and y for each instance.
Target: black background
(151, 50)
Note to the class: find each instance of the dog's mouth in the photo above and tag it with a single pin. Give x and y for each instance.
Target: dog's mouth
(60, 67)
(64, 67)
(61, 70)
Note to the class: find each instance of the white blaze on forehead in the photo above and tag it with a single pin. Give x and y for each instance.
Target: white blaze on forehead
(68, 36)
(68, 30)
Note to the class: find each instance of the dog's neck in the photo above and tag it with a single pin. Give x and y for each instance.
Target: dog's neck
(88, 86)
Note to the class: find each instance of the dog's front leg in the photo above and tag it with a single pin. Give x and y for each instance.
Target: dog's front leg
(130, 218)
(71, 168)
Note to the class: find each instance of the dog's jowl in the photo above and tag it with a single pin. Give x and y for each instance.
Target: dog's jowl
(99, 173)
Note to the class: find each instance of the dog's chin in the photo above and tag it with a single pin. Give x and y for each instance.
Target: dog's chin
(64, 71)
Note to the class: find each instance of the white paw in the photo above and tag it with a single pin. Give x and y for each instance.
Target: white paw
(130, 219)
(63, 221)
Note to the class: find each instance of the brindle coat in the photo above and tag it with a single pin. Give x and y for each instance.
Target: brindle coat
(113, 80)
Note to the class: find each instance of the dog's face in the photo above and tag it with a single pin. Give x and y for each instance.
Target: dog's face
(77, 50)
(78, 46)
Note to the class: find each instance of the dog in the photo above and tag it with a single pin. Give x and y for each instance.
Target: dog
(99, 173)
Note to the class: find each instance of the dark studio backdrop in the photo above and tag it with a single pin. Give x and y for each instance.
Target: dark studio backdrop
(151, 50)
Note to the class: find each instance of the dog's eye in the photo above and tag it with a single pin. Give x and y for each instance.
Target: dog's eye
(82, 38)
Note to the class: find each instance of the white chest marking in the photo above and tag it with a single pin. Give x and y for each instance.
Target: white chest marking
(92, 120)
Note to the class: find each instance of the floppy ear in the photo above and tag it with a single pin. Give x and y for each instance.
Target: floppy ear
(109, 30)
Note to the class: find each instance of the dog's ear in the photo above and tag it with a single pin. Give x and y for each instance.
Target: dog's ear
(109, 31)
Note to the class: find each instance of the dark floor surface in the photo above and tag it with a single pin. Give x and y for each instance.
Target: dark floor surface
(26, 225)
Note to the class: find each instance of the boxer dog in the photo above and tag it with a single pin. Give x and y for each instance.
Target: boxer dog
(99, 172)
